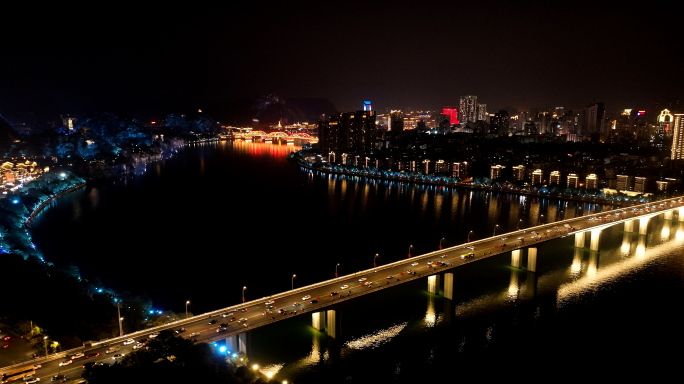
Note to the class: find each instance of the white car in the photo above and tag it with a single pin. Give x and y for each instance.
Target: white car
(76, 356)
(414, 264)
(344, 287)
(65, 362)
(153, 335)
(307, 297)
(270, 302)
(362, 279)
(139, 345)
(128, 341)
(30, 379)
(194, 334)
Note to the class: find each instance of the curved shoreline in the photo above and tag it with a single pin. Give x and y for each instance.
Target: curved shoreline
(445, 183)
(52, 198)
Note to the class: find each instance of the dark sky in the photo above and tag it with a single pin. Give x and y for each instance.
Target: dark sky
(400, 55)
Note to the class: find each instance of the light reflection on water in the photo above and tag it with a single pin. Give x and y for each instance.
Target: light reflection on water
(376, 339)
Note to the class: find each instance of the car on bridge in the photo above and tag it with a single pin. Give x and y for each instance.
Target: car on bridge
(270, 302)
(93, 354)
(314, 301)
(227, 314)
(66, 362)
(213, 321)
(307, 297)
(128, 341)
(363, 279)
(242, 320)
(77, 355)
(414, 264)
(344, 287)
(333, 293)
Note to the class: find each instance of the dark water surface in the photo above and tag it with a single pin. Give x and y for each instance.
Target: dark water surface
(221, 216)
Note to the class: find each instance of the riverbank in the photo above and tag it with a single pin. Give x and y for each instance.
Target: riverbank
(438, 181)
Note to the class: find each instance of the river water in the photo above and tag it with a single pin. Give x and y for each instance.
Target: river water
(220, 216)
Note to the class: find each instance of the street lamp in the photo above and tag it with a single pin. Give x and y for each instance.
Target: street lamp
(519, 221)
(45, 344)
(293, 276)
(118, 310)
(440, 243)
(541, 217)
(243, 294)
(186, 308)
(338, 264)
(374, 258)
(495, 229)
(409, 253)
(469, 236)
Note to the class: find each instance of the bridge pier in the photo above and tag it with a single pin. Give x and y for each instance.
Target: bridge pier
(515, 258)
(433, 284)
(643, 224)
(594, 241)
(680, 213)
(629, 226)
(238, 343)
(449, 285)
(579, 239)
(532, 259)
(667, 215)
(331, 323)
(318, 320)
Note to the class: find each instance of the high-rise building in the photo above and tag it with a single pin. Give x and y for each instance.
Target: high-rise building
(519, 172)
(592, 181)
(594, 116)
(452, 113)
(624, 183)
(347, 132)
(482, 114)
(537, 177)
(639, 184)
(499, 123)
(572, 180)
(554, 178)
(495, 172)
(677, 152)
(468, 107)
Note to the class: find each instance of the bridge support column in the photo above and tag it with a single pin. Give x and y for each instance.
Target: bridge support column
(667, 215)
(433, 284)
(680, 214)
(515, 258)
(318, 320)
(532, 259)
(238, 343)
(449, 285)
(594, 241)
(629, 226)
(643, 225)
(579, 240)
(331, 323)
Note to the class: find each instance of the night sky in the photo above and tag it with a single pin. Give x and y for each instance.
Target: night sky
(409, 55)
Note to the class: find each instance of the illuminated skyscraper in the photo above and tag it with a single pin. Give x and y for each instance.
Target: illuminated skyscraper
(554, 178)
(468, 107)
(452, 113)
(572, 180)
(519, 172)
(495, 172)
(537, 176)
(347, 132)
(678, 137)
(592, 181)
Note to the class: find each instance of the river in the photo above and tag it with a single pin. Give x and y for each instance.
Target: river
(223, 215)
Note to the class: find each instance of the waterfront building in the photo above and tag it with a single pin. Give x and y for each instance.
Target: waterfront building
(572, 180)
(624, 182)
(554, 178)
(347, 132)
(639, 184)
(519, 172)
(592, 181)
(537, 177)
(495, 171)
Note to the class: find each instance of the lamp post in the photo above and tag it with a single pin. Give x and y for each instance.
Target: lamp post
(338, 264)
(409, 252)
(440, 243)
(45, 344)
(518, 227)
(541, 217)
(186, 308)
(495, 229)
(293, 276)
(468, 241)
(374, 258)
(243, 294)
(118, 311)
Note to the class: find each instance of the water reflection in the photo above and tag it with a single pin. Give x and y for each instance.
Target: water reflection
(376, 339)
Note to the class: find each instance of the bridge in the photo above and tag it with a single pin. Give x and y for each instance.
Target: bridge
(275, 136)
(319, 300)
